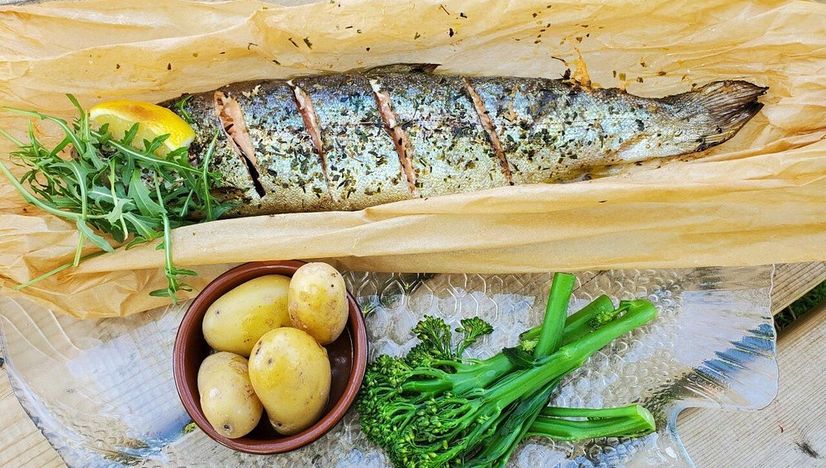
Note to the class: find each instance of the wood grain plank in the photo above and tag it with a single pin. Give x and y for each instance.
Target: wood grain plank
(21, 443)
(792, 280)
(788, 433)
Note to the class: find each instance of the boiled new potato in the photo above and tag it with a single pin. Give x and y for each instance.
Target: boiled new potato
(290, 373)
(318, 301)
(240, 317)
(227, 397)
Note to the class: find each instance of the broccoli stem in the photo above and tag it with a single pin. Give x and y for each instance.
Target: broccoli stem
(482, 373)
(624, 421)
(514, 423)
(555, 313)
(579, 323)
(510, 433)
(519, 422)
(571, 356)
(633, 410)
(475, 374)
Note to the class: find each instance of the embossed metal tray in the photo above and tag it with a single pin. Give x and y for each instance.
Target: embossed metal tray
(102, 391)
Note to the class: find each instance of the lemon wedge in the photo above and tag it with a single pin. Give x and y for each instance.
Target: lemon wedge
(153, 121)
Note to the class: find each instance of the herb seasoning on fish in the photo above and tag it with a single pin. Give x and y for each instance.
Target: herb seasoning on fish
(355, 140)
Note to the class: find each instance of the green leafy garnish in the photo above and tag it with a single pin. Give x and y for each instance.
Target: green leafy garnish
(180, 108)
(117, 187)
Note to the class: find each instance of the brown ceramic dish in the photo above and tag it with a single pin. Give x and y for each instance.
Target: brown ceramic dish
(348, 360)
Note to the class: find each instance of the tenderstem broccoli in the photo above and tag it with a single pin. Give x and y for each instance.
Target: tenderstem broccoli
(429, 410)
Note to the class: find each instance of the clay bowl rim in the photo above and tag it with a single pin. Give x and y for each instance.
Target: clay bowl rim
(191, 325)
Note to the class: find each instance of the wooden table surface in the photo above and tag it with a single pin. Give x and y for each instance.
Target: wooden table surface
(788, 433)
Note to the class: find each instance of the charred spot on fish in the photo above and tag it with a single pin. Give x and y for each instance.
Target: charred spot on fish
(640, 124)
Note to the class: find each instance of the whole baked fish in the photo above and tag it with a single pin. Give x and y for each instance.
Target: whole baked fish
(354, 140)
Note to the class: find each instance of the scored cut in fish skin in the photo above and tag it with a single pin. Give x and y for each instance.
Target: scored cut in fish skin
(290, 170)
(363, 166)
(236, 182)
(450, 149)
(337, 142)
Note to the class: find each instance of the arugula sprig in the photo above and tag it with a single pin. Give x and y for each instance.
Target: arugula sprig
(118, 187)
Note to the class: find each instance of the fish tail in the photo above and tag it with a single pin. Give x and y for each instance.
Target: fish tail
(729, 104)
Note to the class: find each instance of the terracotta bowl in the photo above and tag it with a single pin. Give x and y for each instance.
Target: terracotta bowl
(348, 359)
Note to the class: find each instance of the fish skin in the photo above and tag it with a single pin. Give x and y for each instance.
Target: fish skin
(554, 131)
(363, 166)
(450, 149)
(547, 130)
(290, 171)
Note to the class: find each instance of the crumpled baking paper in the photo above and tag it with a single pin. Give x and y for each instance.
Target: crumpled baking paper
(759, 198)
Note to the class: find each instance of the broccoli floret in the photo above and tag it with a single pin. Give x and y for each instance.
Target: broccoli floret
(435, 337)
(472, 329)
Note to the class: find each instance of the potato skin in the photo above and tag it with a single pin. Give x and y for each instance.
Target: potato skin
(227, 397)
(318, 301)
(290, 373)
(236, 320)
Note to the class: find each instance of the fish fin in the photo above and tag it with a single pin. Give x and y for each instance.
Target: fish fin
(402, 68)
(729, 103)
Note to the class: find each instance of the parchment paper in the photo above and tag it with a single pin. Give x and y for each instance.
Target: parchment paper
(759, 198)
